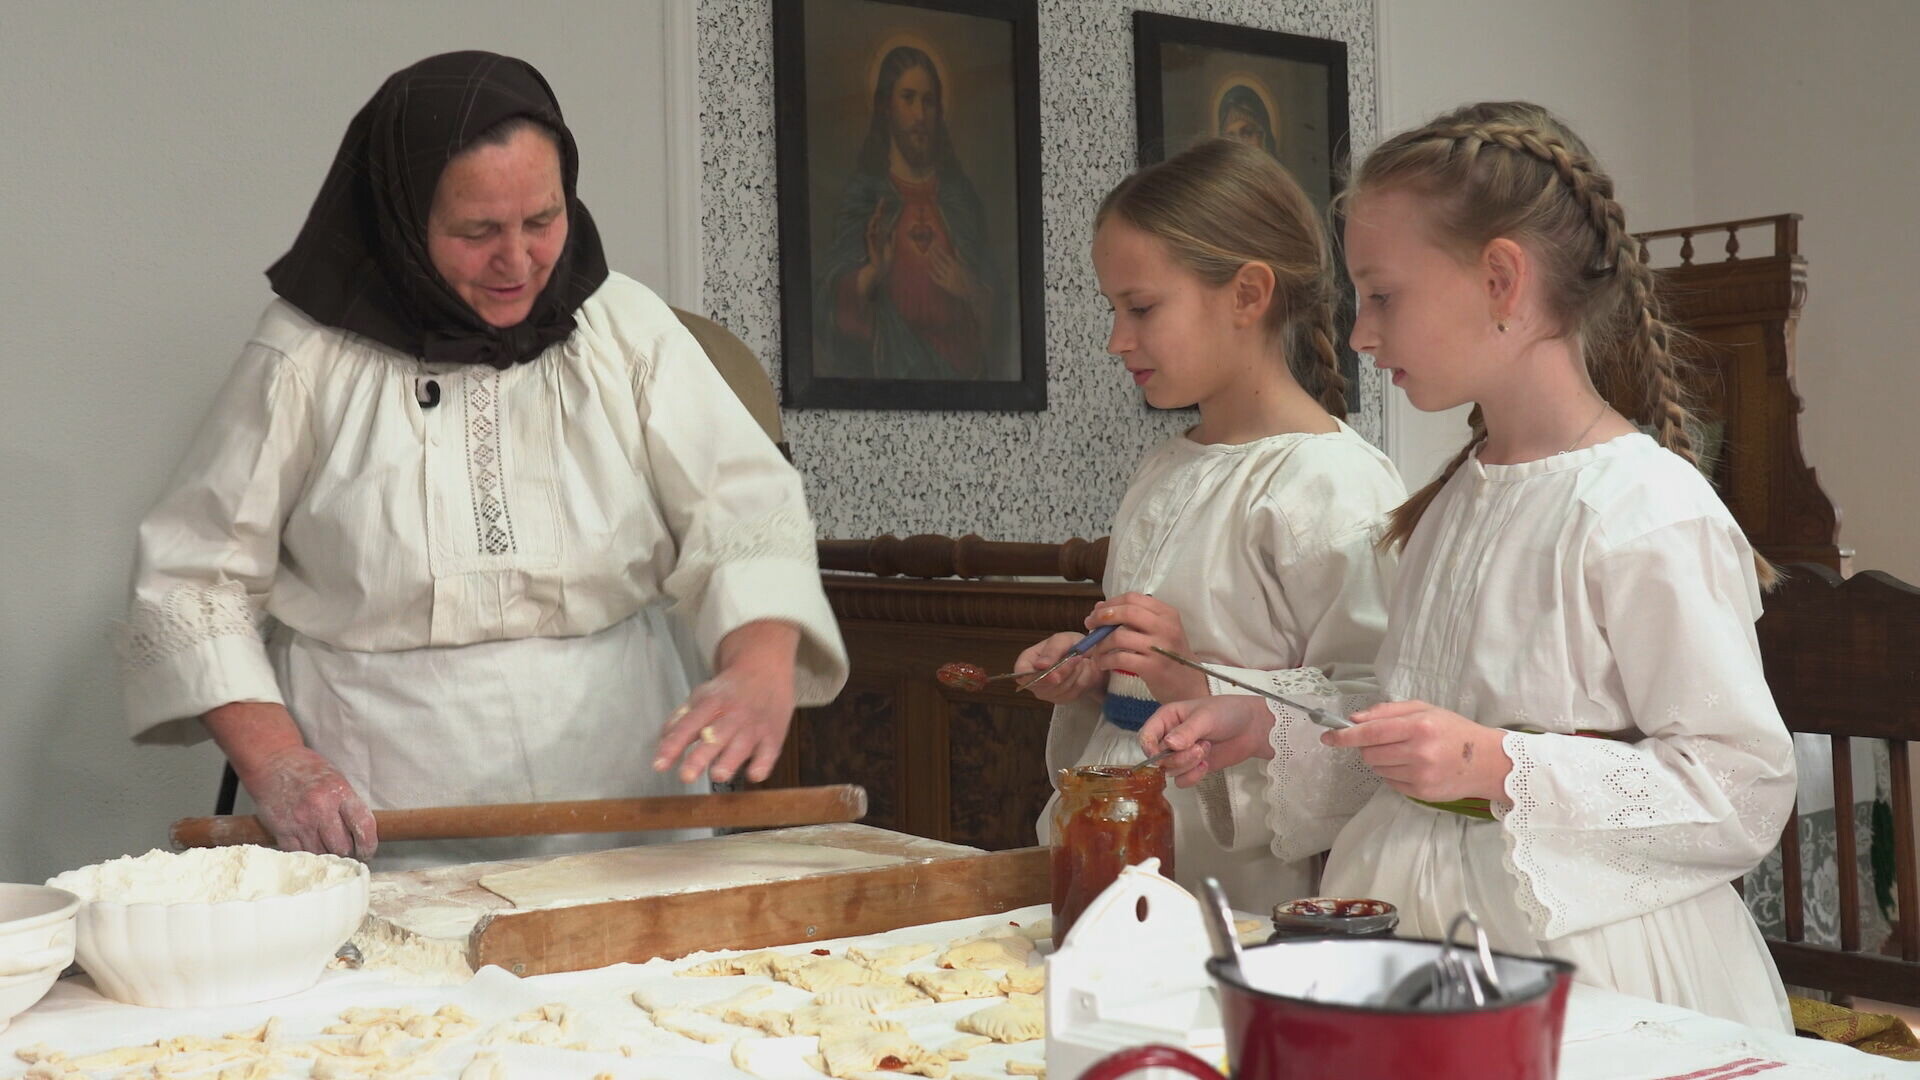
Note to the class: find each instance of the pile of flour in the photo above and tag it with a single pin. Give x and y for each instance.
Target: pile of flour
(207, 876)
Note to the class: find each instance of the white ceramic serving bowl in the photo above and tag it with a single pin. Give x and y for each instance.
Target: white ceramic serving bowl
(192, 954)
(36, 944)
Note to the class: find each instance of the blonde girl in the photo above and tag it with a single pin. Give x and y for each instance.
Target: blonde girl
(1568, 574)
(1250, 540)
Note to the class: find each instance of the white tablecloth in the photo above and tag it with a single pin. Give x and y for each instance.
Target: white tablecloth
(1608, 1036)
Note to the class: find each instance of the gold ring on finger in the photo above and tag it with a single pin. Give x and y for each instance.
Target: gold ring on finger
(708, 735)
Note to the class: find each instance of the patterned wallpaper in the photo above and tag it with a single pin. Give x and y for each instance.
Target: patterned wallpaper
(1007, 476)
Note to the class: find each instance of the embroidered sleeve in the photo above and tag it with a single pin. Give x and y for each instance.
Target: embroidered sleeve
(1600, 831)
(207, 555)
(736, 510)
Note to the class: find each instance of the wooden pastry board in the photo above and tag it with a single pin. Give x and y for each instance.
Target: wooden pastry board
(446, 908)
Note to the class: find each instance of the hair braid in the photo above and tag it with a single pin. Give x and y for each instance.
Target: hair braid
(1601, 286)
(1326, 382)
(1405, 516)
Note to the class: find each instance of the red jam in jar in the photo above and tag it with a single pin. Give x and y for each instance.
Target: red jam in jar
(1109, 817)
(1326, 916)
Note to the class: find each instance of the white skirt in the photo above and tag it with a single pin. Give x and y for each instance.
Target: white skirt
(1703, 953)
(528, 720)
(1253, 879)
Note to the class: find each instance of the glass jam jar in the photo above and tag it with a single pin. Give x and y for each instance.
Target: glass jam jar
(1109, 817)
(1326, 916)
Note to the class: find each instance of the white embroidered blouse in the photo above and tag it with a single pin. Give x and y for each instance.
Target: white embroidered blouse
(553, 499)
(1605, 590)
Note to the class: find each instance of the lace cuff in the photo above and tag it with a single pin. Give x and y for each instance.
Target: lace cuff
(185, 617)
(1313, 789)
(767, 570)
(198, 648)
(1232, 800)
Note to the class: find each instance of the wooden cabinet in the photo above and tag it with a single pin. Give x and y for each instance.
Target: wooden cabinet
(969, 768)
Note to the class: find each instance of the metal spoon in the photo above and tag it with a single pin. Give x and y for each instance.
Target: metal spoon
(1314, 712)
(961, 675)
(1219, 920)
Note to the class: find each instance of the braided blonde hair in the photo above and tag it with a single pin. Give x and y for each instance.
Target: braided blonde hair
(1513, 169)
(1221, 204)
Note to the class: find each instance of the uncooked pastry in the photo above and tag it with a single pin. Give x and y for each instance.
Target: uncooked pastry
(764, 962)
(895, 956)
(988, 954)
(664, 869)
(828, 972)
(958, 1049)
(873, 999)
(1027, 980)
(1018, 1019)
(813, 1020)
(847, 1054)
(946, 986)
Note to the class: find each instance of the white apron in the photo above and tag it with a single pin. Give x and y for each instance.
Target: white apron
(525, 720)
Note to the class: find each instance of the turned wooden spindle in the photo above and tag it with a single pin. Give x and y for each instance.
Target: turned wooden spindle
(928, 555)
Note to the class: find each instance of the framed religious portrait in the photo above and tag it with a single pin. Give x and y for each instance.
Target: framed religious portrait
(908, 139)
(1284, 93)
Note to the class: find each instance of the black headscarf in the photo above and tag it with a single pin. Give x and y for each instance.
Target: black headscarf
(360, 262)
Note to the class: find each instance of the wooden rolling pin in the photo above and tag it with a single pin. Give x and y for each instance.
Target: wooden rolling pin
(762, 808)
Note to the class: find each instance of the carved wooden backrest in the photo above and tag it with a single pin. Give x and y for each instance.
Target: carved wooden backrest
(1843, 660)
(1740, 311)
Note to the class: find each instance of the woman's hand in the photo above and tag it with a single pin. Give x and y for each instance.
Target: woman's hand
(1428, 753)
(1144, 624)
(1076, 678)
(298, 795)
(740, 716)
(1209, 734)
(308, 806)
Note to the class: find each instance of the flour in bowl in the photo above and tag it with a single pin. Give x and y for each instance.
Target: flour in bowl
(207, 876)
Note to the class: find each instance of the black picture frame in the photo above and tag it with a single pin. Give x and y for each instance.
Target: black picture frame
(917, 345)
(1314, 140)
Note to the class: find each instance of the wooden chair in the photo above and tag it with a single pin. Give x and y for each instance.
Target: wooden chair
(1843, 660)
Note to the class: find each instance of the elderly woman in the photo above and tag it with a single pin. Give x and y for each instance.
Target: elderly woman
(456, 471)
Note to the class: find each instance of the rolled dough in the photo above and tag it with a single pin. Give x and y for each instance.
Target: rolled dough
(663, 869)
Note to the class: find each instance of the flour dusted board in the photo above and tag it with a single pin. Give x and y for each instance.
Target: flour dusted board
(665, 869)
(431, 914)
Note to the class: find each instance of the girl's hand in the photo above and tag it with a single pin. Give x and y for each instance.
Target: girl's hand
(1076, 678)
(1145, 623)
(1209, 734)
(1428, 753)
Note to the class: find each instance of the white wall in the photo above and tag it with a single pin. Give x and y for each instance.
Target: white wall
(1811, 108)
(1617, 71)
(158, 158)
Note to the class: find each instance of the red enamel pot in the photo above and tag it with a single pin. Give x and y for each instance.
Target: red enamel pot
(1309, 1009)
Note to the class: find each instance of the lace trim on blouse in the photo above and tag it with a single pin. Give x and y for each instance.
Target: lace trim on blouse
(187, 616)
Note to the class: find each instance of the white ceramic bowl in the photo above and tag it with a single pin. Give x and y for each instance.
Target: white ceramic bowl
(174, 953)
(36, 944)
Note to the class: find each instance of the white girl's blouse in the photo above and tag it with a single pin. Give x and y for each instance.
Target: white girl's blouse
(553, 499)
(1605, 590)
(1269, 552)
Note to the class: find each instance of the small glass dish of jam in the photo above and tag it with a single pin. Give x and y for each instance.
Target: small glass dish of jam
(1326, 916)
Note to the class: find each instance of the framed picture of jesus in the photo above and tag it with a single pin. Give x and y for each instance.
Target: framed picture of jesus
(909, 183)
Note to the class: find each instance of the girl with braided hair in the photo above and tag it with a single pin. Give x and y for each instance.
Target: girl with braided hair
(1569, 573)
(1255, 531)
